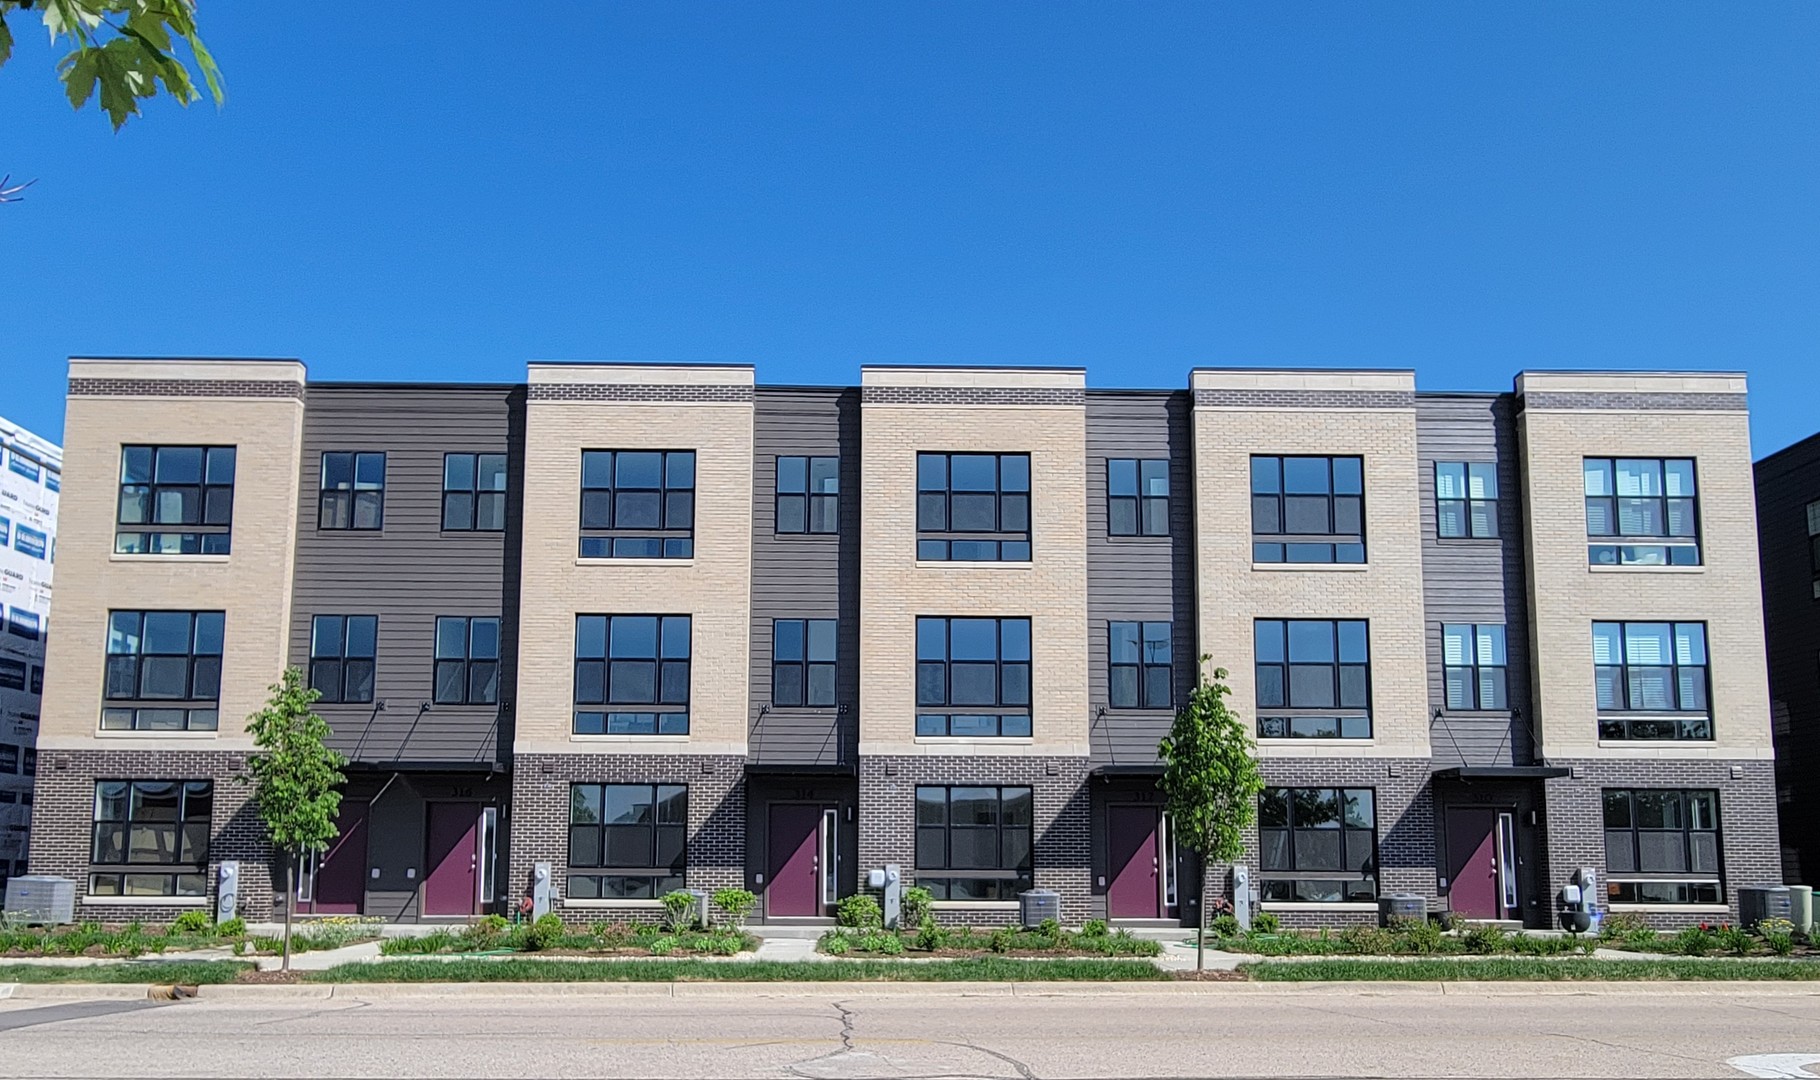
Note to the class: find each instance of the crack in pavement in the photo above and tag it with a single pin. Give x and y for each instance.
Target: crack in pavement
(1622, 1046)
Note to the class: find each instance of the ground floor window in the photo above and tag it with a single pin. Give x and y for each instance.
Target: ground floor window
(627, 841)
(1318, 845)
(974, 843)
(151, 838)
(1662, 846)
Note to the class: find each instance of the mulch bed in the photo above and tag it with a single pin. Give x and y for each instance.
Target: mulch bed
(268, 977)
(1211, 976)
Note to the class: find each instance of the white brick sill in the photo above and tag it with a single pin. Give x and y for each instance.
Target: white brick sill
(637, 740)
(974, 905)
(624, 905)
(146, 901)
(119, 557)
(962, 740)
(1603, 568)
(1317, 567)
(117, 733)
(579, 561)
(944, 564)
(1671, 909)
(1307, 906)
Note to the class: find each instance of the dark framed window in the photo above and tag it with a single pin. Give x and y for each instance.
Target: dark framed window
(1466, 500)
(1314, 678)
(1473, 666)
(163, 671)
(808, 494)
(37, 679)
(1307, 509)
(974, 843)
(1141, 674)
(342, 653)
(473, 492)
(175, 500)
(632, 674)
(1655, 669)
(802, 662)
(638, 504)
(1137, 496)
(1813, 543)
(467, 660)
(12, 674)
(973, 677)
(151, 838)
(627, 841)
(973, 507)
(29, 763)
(1662, 846)
(1642, 512)
(1318, 845)
(9, 758)
(353, 491)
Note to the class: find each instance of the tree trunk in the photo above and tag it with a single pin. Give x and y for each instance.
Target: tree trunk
(290, 892)
(1200, 930)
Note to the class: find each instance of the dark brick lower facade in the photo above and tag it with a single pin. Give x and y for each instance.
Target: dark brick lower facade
(887, 821)
(540, 819)
(62, 825)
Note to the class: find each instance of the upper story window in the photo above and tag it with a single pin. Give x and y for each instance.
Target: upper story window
(473, 492)
(353, 491)
(627, 841)
(9, 758)
(26, 624)
(1466, 500)
(1140, 675)
(638, 504)
(22, 463)
(151, 838)
(1314, 678)
(342, 652)
(175, 500)
(632, 674)
(973, 677)
(1642, 512)
(802, 662)
(1137, 496)
(12, 674)
(163, 671)
(808, 494)
(1813, 543)
(1654, 668)
(1317, 845)
(467, 660)
(1662, 846)
(1307, 509)
(974, 843)
(973, 507)
(1474, 666)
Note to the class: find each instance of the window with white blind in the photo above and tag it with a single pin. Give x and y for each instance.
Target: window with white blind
(1651, 680)
(1466, 500)
(1473, 666)
(1642, 512)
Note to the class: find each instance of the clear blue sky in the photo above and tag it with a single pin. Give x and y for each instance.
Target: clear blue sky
(1466, 189)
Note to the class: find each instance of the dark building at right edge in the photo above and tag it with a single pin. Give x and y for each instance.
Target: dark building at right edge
(1788, 525)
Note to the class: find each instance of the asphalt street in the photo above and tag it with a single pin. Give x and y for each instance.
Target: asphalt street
(752, 1032)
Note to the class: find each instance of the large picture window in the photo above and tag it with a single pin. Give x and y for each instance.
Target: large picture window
(1466, 500)
(974, 843)
(1137, 496)
(1307, 509)
(1140, 675)
(1318, 845)
(163, 671)
(802, 662)
(1474, 665)
(175, 500)
(1642, 512)
(808, 494)
(342, 653)
(638, 504)
(1662, 847)
(151, 838)
(1313, 678)
(973, 507)
(467, 660)
(353, 491)
(627, 841)
(632, 674)
(473, 492)
(1651, 680)
(973, 677)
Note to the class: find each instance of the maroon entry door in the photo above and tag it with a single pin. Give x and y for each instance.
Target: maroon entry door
(1136, 889)
(793, 882)
(1472, 862)
(452, 880)
(341, 873)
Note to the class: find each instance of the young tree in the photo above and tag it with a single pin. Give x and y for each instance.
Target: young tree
(124, 47)
(296, 780)
(1210, 781)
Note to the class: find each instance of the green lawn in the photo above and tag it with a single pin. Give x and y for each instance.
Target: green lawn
(165, 972)
(1530, 969)
(986, 969)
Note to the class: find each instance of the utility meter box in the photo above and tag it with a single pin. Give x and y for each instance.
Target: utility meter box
(1241, 895)
(540, 890)
(227, 890)
(41, 899)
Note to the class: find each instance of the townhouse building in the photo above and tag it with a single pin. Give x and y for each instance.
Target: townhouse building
(1788, 509)
(661, 626)
(30, 482)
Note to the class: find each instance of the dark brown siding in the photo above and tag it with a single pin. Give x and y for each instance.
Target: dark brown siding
(805, 576)
(1138, 578)
(410, 572)
(1475, 581)
(1786, 482)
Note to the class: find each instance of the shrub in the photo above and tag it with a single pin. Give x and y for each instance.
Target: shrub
(860, 911)
(545, 933)
(834, 944)
(1095, 928)
(679, 910)
(1778, 935)
(1002, 939)
(1365, 941)
(270, 944)
(880, 941)
(737, 903)
(1623, 926)
(1265, 922)
(1050, 929)
(234, 927)
(1225, 926)
(1694, 941)
(663, 946)
(191, 922)
(1735, 939)
(1485, 938)
(929, 937)
(919, 906)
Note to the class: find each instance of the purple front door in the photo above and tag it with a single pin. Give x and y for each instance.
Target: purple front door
(453, 859)
(341, 875)
(1136, 889)
(793, 884)
(1472, 863)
